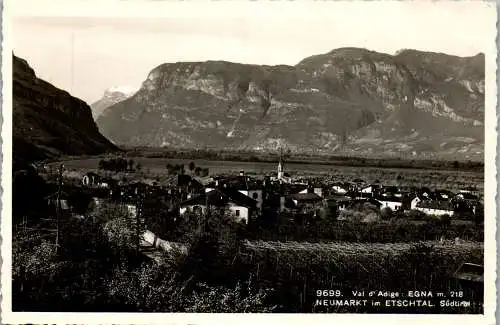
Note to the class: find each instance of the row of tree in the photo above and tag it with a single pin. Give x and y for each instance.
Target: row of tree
(119, 165)
(179, 169)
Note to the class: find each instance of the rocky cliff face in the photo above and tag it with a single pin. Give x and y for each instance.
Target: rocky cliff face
(111, 96)
(348, 100)
(48, 121)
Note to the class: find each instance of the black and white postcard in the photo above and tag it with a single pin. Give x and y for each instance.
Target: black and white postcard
(212, 162)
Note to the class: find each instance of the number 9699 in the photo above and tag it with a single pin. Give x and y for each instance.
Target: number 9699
(328, 293)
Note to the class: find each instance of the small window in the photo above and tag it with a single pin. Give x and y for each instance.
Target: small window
(255, 195)
(237, 213)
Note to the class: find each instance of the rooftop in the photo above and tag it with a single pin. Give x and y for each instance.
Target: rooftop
(436, 205)
(221, 197)
(306, 197)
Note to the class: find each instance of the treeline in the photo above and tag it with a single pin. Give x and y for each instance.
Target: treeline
(179, 169)
(119, 165)
(299, 158)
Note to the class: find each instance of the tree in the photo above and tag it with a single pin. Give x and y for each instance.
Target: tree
(479, 214)
(213, 250)
(192, 166)
(386, 213)
(103, 164)
(28, 187)
(80, 202)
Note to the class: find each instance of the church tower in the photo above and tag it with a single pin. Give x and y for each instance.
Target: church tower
(280, 166)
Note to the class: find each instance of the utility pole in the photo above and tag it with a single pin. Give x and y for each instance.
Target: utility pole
(138, 220)
(205, 217)
(58, 206)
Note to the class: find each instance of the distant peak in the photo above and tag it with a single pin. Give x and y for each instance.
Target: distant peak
(126, 90)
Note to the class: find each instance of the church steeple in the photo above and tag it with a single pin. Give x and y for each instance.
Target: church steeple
(280, 165)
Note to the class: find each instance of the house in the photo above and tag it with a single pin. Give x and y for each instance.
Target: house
(414, 202)
(342, 202)
(367, 189)
(189, 185)
(443, 195)
(363, 202)
(425, 192)
(466, 196)
(316, 190)
(437, 208)
(306, 202)
(370, 190)
(106, 183)
(90, 179)
(392, 202)
(241, 206)
(243, 184)
(339, 188)
(305, 198)
(470, 190)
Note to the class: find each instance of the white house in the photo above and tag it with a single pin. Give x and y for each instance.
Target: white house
(437, 208)
(393, 203)
(255, 194)
(367, 189)
(414, 202)
(339, 189)
(240, 205)
(318, 191)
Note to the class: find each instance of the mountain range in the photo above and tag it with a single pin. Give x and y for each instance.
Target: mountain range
(48, 121)
(347, 101)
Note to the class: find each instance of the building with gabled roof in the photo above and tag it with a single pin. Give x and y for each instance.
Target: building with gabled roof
(241, 206)
(392, 202)
(437, 208)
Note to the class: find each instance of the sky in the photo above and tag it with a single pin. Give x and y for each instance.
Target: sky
(88, 46)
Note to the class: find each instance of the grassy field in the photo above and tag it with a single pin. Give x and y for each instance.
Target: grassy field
(443, 179)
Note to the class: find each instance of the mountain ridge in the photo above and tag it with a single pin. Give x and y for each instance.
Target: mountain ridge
(48, 121)
(350, 100)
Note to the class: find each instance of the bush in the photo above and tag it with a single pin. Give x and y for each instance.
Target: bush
(416, 215)
(386, 213)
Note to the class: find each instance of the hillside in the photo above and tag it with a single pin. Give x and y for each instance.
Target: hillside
(48, 121)
(348, 101)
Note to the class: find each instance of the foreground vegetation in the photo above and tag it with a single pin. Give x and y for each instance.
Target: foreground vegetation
(99, 268)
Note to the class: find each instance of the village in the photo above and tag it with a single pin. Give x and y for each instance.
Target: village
(276, 225)
(249, 198)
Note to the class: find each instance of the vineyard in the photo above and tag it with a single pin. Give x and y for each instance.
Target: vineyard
(297, 269)
(333, 249)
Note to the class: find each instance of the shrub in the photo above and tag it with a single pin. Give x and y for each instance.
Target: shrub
(416, 215)
(386, 213)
